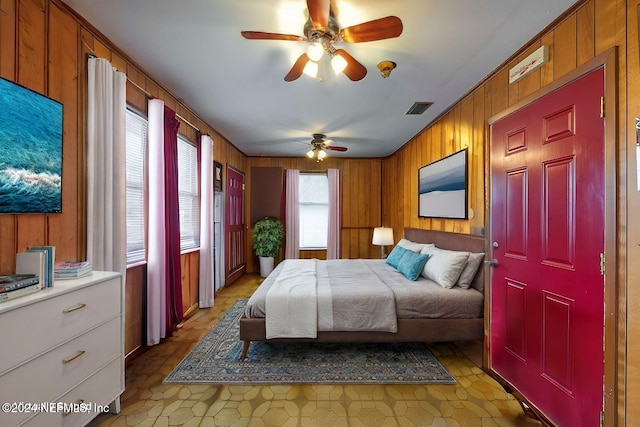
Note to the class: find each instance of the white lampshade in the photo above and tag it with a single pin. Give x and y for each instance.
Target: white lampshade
(382, 236)
(338, 63)
(315, 51)
(311, 69)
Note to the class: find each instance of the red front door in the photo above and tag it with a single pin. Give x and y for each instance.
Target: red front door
(547, 230)
(235, 226)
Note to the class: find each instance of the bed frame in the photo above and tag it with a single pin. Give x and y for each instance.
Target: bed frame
(409, 330)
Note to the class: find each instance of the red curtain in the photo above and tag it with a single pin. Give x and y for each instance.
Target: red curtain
(172, 222)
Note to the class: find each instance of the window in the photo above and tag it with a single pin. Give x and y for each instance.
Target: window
(136, 151)
(188, 194)
(314, 210)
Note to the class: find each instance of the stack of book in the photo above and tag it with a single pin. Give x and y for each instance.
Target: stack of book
(16, 285)
(71, 270)
(38, 260)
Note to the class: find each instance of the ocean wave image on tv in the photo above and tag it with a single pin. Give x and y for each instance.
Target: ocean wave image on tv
(30, 151)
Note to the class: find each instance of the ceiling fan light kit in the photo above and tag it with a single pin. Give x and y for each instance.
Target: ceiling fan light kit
(317, 153)
(322, 32)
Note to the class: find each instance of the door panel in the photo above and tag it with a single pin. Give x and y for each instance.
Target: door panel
(547, 219)
(559, 213)
(557, 365)
(516, 213)
(516, 311)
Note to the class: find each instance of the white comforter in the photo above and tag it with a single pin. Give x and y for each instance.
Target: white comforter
(336, 295)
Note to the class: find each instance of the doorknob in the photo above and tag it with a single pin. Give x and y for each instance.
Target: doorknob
(491, 262)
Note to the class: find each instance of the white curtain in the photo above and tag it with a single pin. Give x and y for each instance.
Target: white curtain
(106, 172)
(292, 220)
(206, 288)
(333, 238)
(156, 257)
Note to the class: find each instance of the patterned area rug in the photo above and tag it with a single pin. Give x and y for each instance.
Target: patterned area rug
(216, 360)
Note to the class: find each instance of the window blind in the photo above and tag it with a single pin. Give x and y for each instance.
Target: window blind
(188, 194)
(314, 210)
(136, 149)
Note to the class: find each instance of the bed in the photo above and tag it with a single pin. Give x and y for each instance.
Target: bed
(417, 318)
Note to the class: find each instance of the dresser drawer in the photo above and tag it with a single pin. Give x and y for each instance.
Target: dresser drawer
(49, 376)
(97, 392)
(36, 327)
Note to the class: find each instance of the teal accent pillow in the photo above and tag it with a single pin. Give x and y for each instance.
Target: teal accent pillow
(394, 257)
(411, 264)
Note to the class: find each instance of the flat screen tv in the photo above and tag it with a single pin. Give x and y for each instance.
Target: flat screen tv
(30, 151)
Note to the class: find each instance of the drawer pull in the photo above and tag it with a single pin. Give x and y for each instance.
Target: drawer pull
(78, 403)
(74, 308)
(74, 357)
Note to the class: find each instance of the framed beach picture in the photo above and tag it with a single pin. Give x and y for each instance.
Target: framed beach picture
(31, 147)
(442, 187)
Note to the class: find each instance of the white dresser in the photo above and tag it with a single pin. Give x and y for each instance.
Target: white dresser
(62, 352)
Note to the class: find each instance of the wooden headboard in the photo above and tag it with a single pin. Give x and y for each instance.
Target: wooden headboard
(454, 242)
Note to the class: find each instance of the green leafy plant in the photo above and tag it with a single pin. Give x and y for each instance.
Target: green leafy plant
(267, 235)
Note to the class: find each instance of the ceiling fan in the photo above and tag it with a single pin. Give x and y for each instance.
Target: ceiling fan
(319, 143)
(322, 32)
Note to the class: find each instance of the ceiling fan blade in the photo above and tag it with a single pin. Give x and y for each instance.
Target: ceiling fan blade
(354, 70)
(334, 147)
(378, 29)
(319, 12)
(297, 69)
(259, 35)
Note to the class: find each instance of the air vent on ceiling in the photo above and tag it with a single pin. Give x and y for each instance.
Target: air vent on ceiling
(418, 108)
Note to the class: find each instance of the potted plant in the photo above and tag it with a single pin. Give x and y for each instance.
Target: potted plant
(267, 236)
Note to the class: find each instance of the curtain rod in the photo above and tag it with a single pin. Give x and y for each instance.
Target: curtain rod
(151, 96)
(91, 55)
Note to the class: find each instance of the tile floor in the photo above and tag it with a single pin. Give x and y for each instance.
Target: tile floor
(475, 401)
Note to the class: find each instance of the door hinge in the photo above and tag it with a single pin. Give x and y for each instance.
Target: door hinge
(602, 107)
(602, 263)
(601, 418)
(243, 186)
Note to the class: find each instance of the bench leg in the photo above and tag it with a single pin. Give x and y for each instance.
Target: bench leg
(245, 348)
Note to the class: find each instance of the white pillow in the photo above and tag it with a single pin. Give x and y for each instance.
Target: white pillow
(469, 271)
(413, 246)
(444, 266)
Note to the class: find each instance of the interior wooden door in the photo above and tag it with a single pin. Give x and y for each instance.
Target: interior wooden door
(235, 229)
(547, 229)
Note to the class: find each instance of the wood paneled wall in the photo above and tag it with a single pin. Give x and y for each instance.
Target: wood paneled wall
(44, 46)
(361, 212)
(592, 28)
(572, 42)
(629, 238)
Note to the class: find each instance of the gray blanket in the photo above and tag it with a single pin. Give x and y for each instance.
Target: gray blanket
(350, 297)
(359, 300)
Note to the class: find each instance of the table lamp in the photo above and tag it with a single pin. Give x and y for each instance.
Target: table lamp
(383, 236)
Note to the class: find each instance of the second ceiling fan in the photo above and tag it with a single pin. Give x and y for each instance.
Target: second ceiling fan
(319, 143)
(322, 32)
